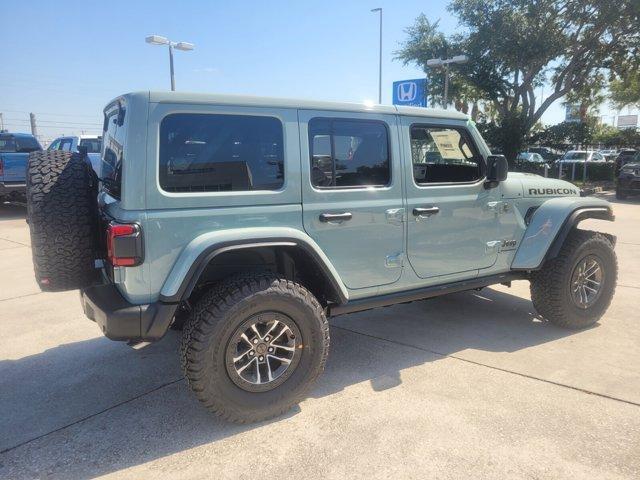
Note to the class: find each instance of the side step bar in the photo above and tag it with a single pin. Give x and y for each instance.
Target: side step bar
(421, 293)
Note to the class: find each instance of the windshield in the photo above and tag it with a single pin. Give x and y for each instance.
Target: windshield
(576, 156)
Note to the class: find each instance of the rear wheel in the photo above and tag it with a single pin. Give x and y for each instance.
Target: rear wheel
(575, 289)
(253, 346)
(62, 213)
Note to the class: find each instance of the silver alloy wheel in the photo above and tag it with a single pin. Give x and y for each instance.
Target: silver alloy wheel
(587, 281)
(263, 351)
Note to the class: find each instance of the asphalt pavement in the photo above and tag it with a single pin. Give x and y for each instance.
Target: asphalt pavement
(471, 385)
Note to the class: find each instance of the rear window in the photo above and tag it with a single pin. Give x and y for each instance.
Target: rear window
(19, 144)
(7, 144)
(113, 134)
(27, 144)
(576, 156)
(94, 145)
(212, 153)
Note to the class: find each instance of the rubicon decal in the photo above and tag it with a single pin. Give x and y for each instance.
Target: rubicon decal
(553, 191)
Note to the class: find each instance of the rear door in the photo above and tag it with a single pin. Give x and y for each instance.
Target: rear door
(352, 193)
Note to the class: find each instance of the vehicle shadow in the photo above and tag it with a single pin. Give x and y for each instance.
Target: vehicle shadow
(11, 211)
(110, 407)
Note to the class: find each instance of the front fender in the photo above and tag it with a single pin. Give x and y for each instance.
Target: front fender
(202, 249)
(550, 225)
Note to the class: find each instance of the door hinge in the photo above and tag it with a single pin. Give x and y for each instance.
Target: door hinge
(395, 215)
(395, 260)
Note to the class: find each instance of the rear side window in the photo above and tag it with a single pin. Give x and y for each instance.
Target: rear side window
(212, 153)
(348, 153)
(444, 155)
(94, 145)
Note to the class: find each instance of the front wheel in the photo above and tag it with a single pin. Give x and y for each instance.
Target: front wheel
(574, 289)
(253, 346)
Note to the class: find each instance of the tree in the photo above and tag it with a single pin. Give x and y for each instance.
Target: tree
(626, 90)
(516, 46)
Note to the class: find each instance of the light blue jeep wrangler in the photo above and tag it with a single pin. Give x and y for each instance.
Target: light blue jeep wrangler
(250, 221)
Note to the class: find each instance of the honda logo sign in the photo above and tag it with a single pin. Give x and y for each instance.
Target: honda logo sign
(410, 92)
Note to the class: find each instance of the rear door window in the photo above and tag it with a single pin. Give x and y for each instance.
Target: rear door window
(349, 153)
(212, 153)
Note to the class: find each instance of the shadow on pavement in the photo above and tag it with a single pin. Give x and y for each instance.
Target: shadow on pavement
(9, 211)
(76, 382)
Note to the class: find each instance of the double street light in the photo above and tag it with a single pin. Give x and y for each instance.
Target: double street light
(158, 40)
(439, 63)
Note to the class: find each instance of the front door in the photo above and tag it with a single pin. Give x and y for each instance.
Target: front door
(352, 193)
(452, 218)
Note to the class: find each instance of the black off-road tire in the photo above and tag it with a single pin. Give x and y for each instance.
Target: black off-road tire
(620, 194)
(214, 319)
(62, 213)
(551, 286)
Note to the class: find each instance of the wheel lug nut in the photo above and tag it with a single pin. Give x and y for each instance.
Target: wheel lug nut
(266, 339)
(261, 358)
(270, 349)
(255, 340)
(252, 353)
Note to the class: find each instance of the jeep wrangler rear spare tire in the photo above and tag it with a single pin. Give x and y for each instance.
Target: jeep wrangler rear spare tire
(62, 213)
(253, 346)
(575, 289)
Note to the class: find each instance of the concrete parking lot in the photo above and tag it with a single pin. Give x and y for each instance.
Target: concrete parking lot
(472, 385)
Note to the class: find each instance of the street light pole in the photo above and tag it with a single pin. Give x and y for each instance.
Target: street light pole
(173, 78)
(158, 40)
(438, 62)
(379, 57)
(446, 85)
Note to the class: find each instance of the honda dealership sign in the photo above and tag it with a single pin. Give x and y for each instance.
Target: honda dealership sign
(410, 92)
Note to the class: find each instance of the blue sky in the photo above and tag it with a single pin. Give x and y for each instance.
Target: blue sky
(65, 60)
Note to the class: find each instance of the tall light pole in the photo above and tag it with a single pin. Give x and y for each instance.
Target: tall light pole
(158, 40)
(379, 57)
(438, 63)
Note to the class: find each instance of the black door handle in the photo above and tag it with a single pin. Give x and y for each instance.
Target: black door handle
(335, 217)
(425, 211)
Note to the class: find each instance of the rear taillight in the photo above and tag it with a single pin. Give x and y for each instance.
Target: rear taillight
(124, 244)
(1, 166)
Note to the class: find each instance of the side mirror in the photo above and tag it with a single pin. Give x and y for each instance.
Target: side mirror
(497, 169)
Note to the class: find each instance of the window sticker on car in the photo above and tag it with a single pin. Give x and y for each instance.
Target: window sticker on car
(447, 143)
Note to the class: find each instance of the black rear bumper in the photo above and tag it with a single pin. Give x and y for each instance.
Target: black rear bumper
(122, 320)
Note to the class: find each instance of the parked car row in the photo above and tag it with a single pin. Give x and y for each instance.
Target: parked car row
(14, 155)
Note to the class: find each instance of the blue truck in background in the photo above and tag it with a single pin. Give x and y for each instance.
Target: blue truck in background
(14, 155)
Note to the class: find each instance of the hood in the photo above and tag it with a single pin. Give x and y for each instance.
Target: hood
(528, 185)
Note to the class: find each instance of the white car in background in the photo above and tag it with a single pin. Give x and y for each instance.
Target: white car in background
(580, 156)
(93, 144)
(530, 157)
